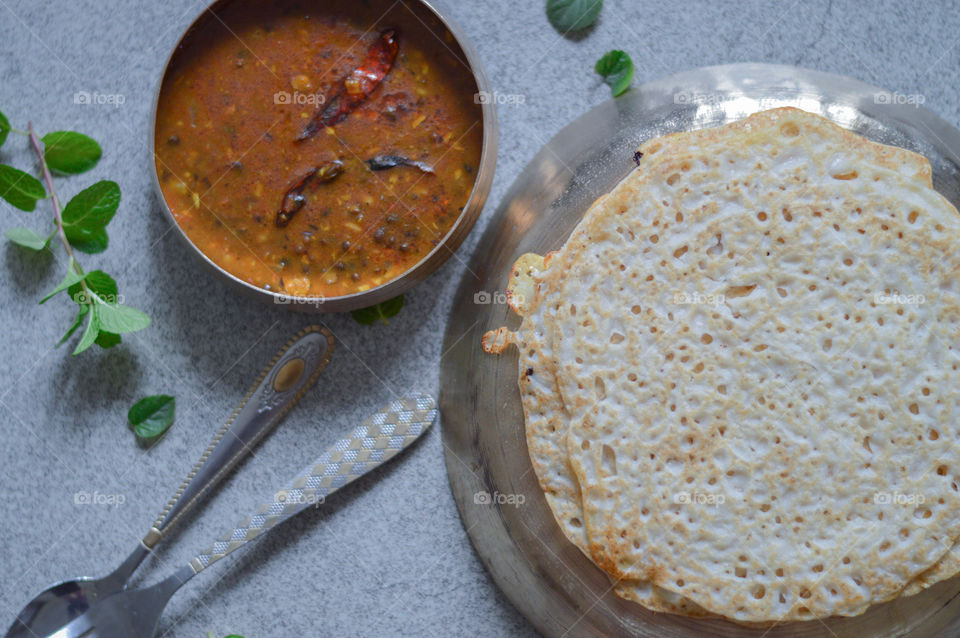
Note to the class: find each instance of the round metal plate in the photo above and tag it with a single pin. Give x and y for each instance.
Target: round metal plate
(503, 510)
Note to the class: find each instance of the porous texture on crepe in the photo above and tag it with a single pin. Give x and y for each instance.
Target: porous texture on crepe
(546, 426)
(727, 344)
(788, 194)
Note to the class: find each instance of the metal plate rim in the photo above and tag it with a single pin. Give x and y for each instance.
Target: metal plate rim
(460, 402)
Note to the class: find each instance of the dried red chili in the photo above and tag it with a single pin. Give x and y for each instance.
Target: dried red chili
(359, 84)
(293, 199)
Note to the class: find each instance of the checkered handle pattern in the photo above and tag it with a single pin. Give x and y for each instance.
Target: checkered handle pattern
(377, 440)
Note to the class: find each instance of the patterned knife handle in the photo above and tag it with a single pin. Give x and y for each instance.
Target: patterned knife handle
(376, 441)
(292, 372)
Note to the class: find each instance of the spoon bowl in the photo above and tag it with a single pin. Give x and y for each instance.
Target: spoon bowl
(58, 605)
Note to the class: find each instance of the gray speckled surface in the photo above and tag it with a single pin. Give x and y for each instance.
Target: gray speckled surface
(387, 555)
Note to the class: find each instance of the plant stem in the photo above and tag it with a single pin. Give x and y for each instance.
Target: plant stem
(58, 217)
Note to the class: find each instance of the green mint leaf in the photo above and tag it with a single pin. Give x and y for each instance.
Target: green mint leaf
(573, 15)
(93, 207)
(121, 319)
(366, 316)
(27, 238)
(20, 189)
(616, 67)
(107, 339)
(86, 215)
(391, 307)
(152, 416)
(380, 312)
(100, 283)
(77, 322)
(69, 153)
(89, 336)
(4, 128)
(72, 279)
(89, 241)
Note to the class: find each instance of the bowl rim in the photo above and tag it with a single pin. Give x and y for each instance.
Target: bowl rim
(416, 273)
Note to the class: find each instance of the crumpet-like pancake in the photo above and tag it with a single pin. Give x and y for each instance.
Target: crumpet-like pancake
(755, 350)
(545, 413)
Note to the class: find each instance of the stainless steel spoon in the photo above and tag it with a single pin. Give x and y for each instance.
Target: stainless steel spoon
(281, 384)
(134, 613)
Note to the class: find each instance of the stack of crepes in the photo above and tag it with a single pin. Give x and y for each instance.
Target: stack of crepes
(739, 375)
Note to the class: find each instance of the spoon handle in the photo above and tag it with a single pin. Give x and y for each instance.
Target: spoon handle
(281, 384)
(381, 437)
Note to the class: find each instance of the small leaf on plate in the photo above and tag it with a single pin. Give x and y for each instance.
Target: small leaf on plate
(69, 153)
(121, 319)
(20, 189)
(27, 238)
(573, 15)
(151, 416)
(4, 128)
(616, 67)
(382, 311)
(72, 279)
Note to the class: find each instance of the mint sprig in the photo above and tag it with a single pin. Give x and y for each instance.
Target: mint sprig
(81, 226)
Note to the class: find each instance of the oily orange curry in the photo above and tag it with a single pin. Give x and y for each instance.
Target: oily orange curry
(317, 148)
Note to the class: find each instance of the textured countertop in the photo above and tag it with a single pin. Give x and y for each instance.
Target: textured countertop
(386, 556)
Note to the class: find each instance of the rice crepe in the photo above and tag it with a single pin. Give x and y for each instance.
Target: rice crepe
(818, 174)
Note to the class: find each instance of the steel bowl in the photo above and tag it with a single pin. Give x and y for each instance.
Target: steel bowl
(418, 272)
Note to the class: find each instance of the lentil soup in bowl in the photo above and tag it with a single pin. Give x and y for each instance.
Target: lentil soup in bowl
(323, 154)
